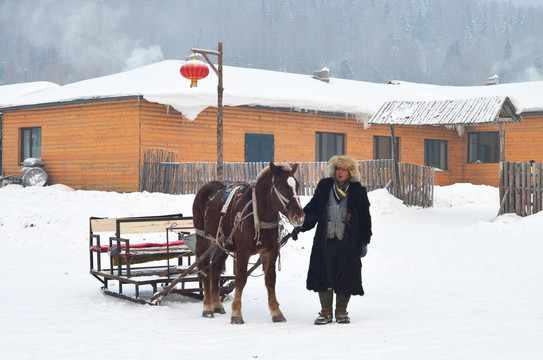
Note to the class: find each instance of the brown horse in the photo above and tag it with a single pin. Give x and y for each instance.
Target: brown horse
(248, 224)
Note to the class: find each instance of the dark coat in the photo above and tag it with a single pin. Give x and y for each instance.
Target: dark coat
(357, 234)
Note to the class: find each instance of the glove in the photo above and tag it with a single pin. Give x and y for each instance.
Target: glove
(294, 233)
(363, 250)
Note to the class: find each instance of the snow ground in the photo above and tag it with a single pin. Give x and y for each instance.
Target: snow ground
(449, 282)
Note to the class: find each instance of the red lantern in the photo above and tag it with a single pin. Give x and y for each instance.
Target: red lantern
(194, 70)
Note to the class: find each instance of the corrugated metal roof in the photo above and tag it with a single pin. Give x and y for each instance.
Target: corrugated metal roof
(474, 111)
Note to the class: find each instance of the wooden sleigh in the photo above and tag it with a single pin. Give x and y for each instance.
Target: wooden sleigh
(160, 253)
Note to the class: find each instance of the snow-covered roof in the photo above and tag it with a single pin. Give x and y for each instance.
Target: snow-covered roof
(9, 93)
(476, 111)
(162, 83)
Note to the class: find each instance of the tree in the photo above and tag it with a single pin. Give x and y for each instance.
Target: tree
(345, 70)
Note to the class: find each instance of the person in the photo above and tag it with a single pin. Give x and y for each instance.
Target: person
(340, 210)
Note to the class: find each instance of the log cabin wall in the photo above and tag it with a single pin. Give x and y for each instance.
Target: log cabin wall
(523, 142)
(294, 136)
(100, 145)
(294, 132)
(92, 145)
(412, 148)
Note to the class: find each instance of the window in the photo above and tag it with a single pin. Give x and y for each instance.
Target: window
(483, 147)
(328, 145)
(382, 147)
(259, 147)
(30, 143)
(435, 153)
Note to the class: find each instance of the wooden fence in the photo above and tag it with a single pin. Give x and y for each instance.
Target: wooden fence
(521, 187)
(161, 173)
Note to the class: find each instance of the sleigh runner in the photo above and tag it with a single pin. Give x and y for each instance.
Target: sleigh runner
(160, 253)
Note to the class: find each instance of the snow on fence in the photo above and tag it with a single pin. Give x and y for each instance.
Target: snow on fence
(161, 172)
(521, 187)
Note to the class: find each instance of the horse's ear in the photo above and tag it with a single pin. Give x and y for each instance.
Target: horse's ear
(273, 168)
(294, 168)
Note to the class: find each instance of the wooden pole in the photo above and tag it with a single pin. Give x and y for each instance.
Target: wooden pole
(502, 192)
(398, 188)
(157, 297)
(502, 142)
(220, 90)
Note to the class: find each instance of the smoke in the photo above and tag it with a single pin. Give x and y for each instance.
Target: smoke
(141, 57)
(532, 74)
(91, 38)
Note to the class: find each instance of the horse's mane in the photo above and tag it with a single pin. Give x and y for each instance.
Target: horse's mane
(266, 172)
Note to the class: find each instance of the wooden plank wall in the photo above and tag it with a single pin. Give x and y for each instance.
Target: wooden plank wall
(101, 145)
(294, 135)
(90, 146)
(524, 141)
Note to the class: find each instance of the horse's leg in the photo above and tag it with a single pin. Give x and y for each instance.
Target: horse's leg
(204, 276)
(268, 265)
(217, 268)
(241, 279)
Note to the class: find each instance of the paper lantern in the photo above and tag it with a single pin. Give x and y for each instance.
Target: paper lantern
(194, 70)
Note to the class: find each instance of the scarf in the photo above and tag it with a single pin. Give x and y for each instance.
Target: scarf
(340, 192)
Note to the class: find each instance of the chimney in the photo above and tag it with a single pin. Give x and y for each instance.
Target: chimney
(493, 80)
(322, 75)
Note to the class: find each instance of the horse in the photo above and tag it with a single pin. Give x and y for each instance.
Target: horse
(243, 219)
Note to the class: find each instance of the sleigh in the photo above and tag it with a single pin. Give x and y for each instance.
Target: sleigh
(130, 255)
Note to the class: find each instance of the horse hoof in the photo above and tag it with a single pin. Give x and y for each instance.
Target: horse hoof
(238, 320)
(219, 310)
(278, 318)
(207, 313)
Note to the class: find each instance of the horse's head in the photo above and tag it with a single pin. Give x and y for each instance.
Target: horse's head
(284, 192)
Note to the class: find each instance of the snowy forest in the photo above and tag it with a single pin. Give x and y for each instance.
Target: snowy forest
(460, 42)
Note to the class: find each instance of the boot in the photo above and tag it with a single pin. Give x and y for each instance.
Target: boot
(325, 317)
(342, 316)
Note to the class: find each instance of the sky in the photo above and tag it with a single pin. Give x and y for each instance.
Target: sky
(449, 282)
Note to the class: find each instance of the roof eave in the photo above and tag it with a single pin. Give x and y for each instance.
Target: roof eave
(69, 102)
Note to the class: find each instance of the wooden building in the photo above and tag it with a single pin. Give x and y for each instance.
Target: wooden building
(480, 142)
(93, 134)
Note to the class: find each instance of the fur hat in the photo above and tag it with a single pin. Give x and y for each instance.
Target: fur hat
(344, 162)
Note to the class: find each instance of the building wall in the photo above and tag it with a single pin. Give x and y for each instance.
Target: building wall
(524, 141)
(93, 146)
(100, 145)
(294, 136)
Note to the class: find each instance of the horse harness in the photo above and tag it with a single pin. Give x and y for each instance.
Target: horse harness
(230, 192)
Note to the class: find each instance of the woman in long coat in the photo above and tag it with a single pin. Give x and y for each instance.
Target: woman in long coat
(340, 209)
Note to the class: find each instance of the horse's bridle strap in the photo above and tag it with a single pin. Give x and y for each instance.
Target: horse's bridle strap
(285, 202)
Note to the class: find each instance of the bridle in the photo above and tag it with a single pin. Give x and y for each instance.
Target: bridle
(285, 202)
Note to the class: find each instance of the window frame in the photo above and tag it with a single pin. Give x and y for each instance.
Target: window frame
(443, 162)
(376, 146)
(259, 137)
(324, 154)
(480, 149)
(28, 141)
